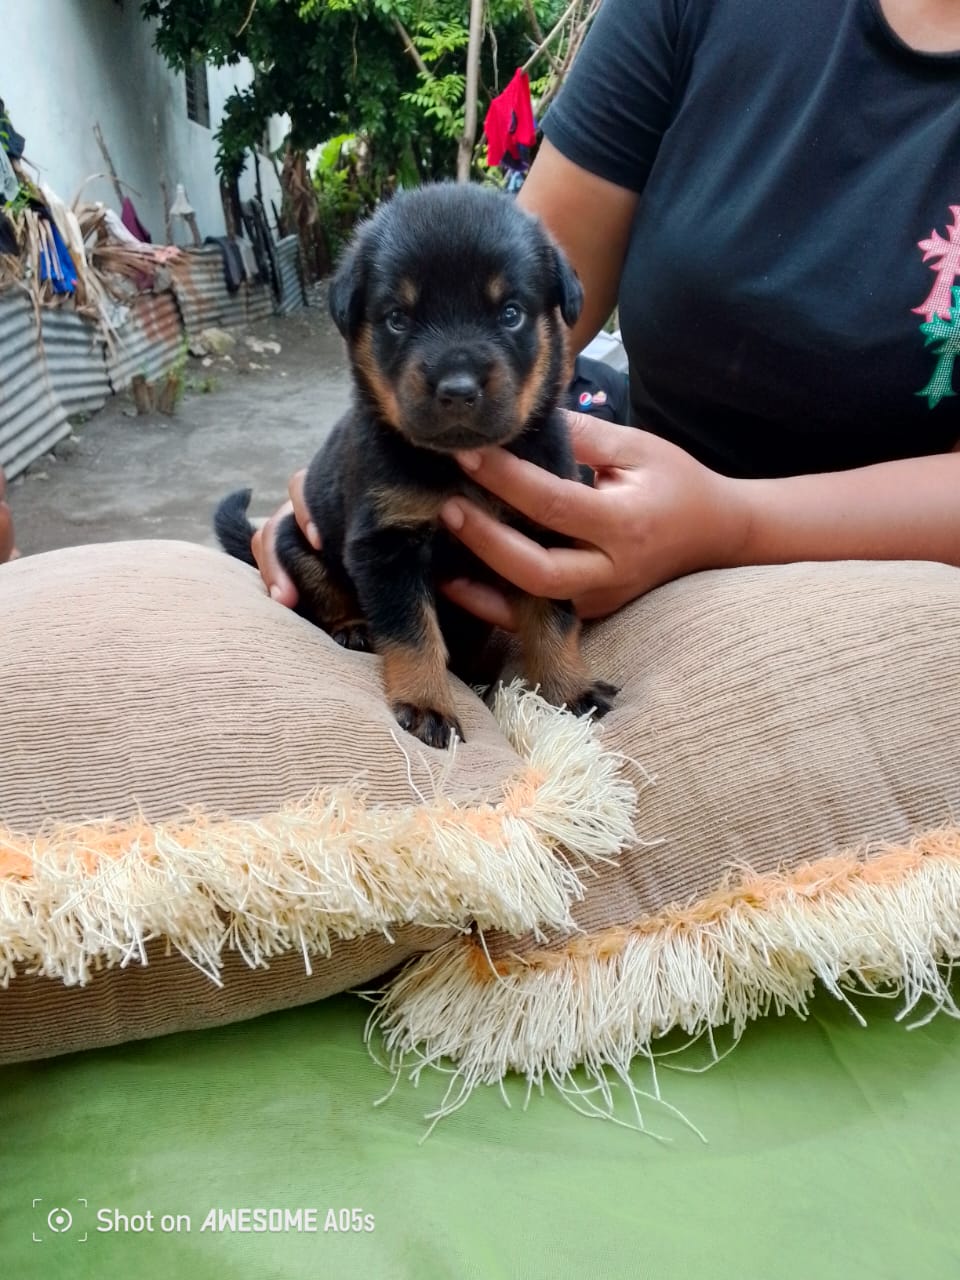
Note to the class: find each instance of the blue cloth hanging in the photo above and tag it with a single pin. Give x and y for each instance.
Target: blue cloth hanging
(57, 266)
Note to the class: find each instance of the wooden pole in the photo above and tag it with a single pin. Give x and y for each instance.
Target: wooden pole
(465, 149)
(98, 134)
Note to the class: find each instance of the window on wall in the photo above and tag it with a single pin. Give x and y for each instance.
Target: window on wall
(198, 99)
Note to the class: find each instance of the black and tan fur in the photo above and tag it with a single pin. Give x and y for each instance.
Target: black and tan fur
(455, 307)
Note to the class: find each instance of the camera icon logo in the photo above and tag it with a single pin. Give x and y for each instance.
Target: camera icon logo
(59, 1220)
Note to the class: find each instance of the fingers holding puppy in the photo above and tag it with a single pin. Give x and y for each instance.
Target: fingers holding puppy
(550, 501)
(483, 601)
(554, 573)
(264, 543)
(654, 514)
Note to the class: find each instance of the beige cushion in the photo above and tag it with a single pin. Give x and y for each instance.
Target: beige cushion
(40, 1018)
(795, 736)
(787, 713)
(195, 780)
(790, 737)
(160, 675)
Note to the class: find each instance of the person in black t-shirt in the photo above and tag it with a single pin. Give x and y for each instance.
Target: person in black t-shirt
(772, 195)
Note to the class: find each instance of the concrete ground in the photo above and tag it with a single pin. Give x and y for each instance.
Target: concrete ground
(249, 420)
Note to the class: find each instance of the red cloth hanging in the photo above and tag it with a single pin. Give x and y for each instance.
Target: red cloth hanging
(509, 121)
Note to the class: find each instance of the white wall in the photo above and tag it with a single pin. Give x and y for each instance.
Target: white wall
(67, 64)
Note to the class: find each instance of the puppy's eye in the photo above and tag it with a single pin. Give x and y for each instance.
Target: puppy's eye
(511, 316)
(398, 321)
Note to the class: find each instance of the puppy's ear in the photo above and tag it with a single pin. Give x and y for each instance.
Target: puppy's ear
(568, 289)
(347, 289)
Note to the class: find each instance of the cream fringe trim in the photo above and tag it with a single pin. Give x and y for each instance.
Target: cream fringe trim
(332, 867)
(890, 922)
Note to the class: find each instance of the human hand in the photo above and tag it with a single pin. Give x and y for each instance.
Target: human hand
(8, 550)
(264, 543)
(654, 514)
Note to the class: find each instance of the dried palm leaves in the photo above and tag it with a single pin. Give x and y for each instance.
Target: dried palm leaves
(109, 265)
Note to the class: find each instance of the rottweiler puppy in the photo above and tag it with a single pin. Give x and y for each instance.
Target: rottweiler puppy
(455, 306)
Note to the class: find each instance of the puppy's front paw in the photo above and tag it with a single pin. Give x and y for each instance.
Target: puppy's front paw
(598, 698)
(435, 728)
(353, 635)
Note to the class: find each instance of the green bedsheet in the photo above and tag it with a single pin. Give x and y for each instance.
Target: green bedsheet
(833, 1152)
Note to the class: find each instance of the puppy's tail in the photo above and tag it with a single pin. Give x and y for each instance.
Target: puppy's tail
(232, 527)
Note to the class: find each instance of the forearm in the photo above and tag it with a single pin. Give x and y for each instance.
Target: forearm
(590, 219)
(905, 510)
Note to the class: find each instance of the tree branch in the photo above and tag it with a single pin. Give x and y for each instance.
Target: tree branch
(534, 21)
(548, 40)
(495, 55)
(246, 21)
(411, 48)
(577, 36)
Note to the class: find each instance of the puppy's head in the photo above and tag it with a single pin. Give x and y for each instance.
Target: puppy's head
(455, 304)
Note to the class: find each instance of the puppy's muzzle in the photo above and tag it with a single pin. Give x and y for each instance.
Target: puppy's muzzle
(460, 399)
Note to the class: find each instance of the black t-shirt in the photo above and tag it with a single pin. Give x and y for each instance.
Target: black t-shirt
(780, 312)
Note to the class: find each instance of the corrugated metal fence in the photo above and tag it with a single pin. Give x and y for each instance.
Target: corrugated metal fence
(32, 418)
(200, 291)
(76, 361)
(57, 364)
(291, 281)
(148, 341)
(203, 298)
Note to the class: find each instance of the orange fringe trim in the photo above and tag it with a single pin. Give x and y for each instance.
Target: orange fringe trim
(92, 843)
(841, 873)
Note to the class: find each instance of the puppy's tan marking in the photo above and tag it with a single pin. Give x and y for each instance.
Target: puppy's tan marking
(497, 288)
(535, 383)
(373, 379)
(486, 501)
(497, 379)
(502, 385)
(399, 507)
(412, 389)
(551, 651)
(408, 292)
(417, 673)
(326, 601)
(568, 356)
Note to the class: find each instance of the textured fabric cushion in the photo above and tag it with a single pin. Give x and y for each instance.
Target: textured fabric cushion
(787, 713)
(795, 734)
(771, 802)
(159, 675)
(195, 780)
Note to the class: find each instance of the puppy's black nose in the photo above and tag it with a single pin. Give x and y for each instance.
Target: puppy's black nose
(456, 389)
